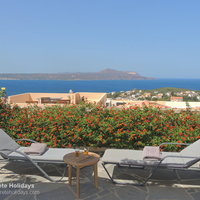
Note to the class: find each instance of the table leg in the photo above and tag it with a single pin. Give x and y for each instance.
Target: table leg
(95, 168)
(70, 174)
(78, 181)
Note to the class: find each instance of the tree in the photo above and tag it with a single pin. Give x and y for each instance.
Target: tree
(3, 95)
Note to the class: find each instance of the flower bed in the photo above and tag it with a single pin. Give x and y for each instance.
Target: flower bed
(89, 125)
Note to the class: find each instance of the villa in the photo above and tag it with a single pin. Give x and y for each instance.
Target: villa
(42, 99)
(178, 99)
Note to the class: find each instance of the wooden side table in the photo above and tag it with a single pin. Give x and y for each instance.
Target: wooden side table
(80, 161)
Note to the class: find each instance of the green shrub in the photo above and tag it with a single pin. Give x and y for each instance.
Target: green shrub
(90, 125)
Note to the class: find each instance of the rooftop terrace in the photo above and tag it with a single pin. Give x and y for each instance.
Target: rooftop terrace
(49, 99)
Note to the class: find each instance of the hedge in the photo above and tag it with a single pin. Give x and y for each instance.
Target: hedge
(97, 126)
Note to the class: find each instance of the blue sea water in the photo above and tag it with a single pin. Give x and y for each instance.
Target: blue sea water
(56, 86)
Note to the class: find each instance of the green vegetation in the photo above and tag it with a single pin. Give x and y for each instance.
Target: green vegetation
(3, 92)
(167, 89)
(89, 125)
(161, 94)
(115, 95)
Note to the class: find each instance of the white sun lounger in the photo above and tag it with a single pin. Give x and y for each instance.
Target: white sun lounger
(134, 158)
(10, 150)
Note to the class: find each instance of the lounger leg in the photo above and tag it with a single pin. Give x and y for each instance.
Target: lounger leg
(108, 173)
(36, 165)
(42, 171)
(2, 161)
(149, 176)
(140, 182)
(46, 175)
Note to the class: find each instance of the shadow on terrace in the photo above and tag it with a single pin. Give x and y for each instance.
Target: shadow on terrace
(165, 184)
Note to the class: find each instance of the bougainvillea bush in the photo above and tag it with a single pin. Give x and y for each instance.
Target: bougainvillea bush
(96, 126)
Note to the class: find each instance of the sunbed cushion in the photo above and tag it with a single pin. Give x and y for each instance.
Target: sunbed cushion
(52, 155)
(151, 152)
(36, 149)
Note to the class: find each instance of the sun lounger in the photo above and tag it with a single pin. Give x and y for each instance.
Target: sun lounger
(184, 159)
(11, 150)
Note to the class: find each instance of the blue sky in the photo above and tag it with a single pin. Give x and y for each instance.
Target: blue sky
(155, 38)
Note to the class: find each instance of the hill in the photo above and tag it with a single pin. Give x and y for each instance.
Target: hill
(168, 89)
(107, 74)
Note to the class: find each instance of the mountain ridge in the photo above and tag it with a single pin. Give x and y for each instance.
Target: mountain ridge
(106, 74)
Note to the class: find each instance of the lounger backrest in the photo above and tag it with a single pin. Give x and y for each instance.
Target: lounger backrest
(192, 150)
(6, 142)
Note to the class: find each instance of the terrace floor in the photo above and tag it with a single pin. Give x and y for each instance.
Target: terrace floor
(166, 185)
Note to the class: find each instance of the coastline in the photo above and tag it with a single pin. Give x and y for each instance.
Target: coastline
(59, 86)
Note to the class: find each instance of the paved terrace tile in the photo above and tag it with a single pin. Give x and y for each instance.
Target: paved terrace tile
(165, 185)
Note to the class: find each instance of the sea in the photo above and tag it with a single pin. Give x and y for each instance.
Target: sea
(60, 86)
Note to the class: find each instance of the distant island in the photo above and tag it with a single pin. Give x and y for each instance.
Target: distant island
(107, 74)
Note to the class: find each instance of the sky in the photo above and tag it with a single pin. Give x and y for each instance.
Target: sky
(156, 38)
